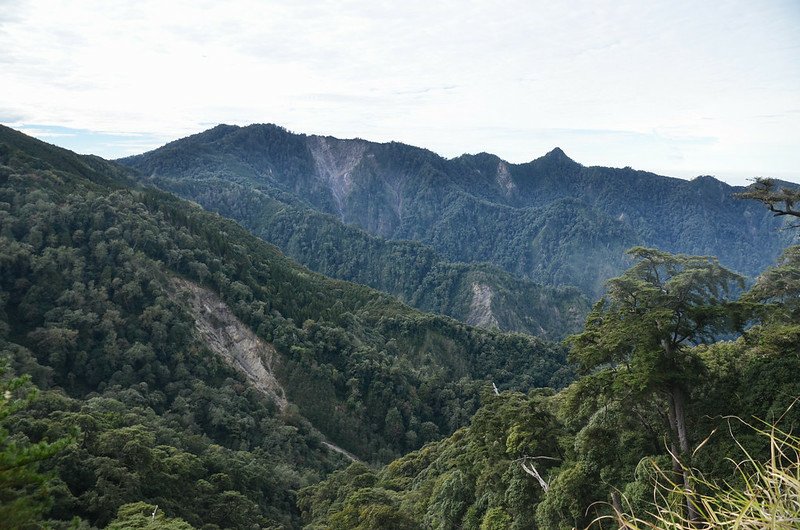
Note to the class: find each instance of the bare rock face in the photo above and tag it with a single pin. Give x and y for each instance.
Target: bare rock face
(503, 177)
(335, 161)
(228, 337)
(480, 309)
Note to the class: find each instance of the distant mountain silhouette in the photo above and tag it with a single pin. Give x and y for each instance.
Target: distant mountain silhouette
(551, 220)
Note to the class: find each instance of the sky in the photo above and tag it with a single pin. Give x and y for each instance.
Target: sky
(678, 88)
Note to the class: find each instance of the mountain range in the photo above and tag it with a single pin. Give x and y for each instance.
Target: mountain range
(161, 365)
(522, 247)
(203, 368)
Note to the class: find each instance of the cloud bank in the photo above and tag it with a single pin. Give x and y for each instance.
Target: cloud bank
(676, 87)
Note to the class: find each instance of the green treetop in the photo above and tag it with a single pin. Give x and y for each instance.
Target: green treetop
(643, 331)
(781, 201)
(23, 489)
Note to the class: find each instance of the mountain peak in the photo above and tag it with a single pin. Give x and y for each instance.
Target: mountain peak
(557, 155)
(708, 181)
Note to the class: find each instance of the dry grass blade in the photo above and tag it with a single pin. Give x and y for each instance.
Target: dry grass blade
(765, 496)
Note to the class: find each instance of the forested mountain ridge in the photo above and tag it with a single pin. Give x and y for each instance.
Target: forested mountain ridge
(89, 310)
(111, 296)
(479, 294)
(552, 220)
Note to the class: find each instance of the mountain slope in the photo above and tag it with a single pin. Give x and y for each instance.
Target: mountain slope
(411, 271)
(608, 443)
(551, 220)
(89, 309)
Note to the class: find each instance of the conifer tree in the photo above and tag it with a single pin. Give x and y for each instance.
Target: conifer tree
(644, 330)
(23, 489)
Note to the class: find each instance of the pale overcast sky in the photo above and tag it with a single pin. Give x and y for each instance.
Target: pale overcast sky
(675, 87)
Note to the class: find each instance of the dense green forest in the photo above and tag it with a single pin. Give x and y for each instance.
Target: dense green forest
(551, 220)
(659, 400)
(478, 294)
(116, 411)
(136, 405)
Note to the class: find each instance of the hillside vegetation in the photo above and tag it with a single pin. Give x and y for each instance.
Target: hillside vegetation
(162, 366)
(551, 220)
(150, 412)
(656, 433)
(478, 294)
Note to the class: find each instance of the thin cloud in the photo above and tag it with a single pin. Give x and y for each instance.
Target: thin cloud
(695, 87)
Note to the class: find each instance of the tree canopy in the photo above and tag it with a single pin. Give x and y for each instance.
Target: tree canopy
(643, 332)
(652, 313)
(778, 200)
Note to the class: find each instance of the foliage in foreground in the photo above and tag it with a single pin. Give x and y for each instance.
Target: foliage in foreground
(474, 479)
(24, 491)
(763, 493)
(595, 443)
